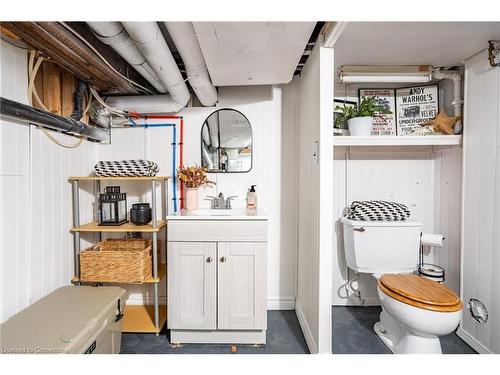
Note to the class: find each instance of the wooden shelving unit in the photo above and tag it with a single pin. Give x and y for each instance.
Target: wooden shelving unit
(162, 272)
(137, 318)
(395, 140)
(99, 178)
(140, 319)
(127, 227)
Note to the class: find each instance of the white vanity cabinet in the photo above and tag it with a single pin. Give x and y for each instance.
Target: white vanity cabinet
(241, 282)
(192, 281)
(216, 269)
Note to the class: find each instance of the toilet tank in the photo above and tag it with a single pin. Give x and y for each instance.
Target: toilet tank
(381, 246)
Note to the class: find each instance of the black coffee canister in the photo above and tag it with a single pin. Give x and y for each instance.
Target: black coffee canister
(140, 213)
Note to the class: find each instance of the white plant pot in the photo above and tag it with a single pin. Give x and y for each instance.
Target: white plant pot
(360, 126)
(191, 199)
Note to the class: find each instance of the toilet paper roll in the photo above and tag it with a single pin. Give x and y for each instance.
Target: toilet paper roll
(432, 239)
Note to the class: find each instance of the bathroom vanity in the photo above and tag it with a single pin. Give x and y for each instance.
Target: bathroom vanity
(216, 267)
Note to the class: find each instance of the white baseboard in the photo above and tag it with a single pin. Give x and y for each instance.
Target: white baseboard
(472, 342)
(281, 303)
(311, 343)
(373, 301)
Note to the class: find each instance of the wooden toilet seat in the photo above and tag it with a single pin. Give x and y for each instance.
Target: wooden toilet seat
(420, 292)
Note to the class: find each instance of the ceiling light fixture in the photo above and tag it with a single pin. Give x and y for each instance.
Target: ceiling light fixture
(385, 73)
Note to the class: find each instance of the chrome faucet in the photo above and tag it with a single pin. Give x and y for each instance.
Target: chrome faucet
(219, 203)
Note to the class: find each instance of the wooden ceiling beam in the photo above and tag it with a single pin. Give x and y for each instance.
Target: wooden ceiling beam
(67, 50)
(118, 62)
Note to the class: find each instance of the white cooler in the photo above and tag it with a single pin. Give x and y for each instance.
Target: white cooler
(72, 319)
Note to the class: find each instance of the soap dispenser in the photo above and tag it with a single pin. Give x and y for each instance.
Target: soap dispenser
(252, 198)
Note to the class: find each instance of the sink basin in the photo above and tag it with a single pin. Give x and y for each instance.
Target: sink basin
(211, 212)
(218, 214)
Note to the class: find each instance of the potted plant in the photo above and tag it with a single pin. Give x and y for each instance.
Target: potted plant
(360, 119)
(193, 177)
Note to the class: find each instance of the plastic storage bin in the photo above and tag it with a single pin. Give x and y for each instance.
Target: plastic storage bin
(72, 319)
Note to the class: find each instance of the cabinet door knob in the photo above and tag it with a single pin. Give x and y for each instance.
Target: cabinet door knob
(223, 259)
(209, 259)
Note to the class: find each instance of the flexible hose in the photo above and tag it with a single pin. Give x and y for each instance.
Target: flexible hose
(103, 103)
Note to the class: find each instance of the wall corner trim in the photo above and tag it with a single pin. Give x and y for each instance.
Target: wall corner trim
(472, 342)
(311, 344)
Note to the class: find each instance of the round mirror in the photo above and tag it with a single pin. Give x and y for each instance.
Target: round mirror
(226, 142)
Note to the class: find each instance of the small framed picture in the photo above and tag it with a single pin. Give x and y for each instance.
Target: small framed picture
(339, 123)
(415, 105)
(383, 123)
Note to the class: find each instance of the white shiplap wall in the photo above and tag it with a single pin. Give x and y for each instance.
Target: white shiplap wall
(14, 188)
(315, 211)
(36, 248)
(289, 173)
(481, 203)
(52, 260)
(427, 180)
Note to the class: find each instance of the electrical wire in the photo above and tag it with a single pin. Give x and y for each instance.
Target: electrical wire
(133, 83)
(32, 72)
(117, 112)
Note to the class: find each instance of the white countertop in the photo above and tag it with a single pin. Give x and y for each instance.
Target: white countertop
(213, 214)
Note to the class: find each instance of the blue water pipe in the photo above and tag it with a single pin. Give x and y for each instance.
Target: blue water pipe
(174, 144)
(174, 153)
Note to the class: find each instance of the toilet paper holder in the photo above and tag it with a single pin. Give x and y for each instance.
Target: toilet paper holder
(429, 270)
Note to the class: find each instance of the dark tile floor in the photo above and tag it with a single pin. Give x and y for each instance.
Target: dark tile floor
(283, 337)
(353, 333)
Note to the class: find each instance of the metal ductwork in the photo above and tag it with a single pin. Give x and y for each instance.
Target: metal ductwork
(114, 35)
(22, 112)
(149, 40)
(186, 42)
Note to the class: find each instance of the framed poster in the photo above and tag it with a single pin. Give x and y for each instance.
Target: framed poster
(383, 123)
(415, 105)
(339, 125)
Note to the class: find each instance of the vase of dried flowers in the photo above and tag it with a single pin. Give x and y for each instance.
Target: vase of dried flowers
(191, 199)
(193, 177)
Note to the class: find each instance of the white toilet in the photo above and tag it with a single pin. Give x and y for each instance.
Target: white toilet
(415, 310)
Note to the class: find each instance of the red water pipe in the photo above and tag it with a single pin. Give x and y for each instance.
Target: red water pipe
(181, 159)
(181, 140)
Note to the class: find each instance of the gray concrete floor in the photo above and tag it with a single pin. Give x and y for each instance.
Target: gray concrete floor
(353, 333)
(284, 336)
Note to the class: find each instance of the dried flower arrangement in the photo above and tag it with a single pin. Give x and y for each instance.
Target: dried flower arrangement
(194, 177)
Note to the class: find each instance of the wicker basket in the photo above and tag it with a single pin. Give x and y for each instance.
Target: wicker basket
(117, 261)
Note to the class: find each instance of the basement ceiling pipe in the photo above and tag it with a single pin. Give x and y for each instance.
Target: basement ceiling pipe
(186, 42)
(22, 112)
(149, 40)
(457, 102)
(114, 35)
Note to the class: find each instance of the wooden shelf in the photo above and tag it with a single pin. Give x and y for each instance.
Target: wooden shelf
(162, 271)
(127, 227)
(98, 178)
(417, 140)
(141, 319)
